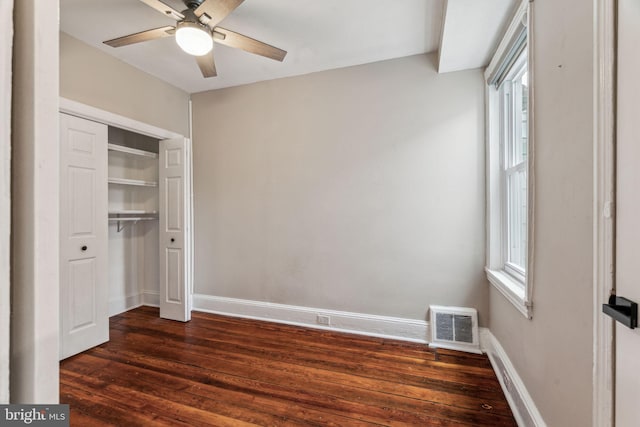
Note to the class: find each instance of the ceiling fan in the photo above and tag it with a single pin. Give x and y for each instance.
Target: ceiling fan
(197, 29)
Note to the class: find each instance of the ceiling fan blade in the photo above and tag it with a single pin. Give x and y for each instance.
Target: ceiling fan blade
(232, 39)
(164, 9)
(142, 36)
(207, 65)
(216, 10)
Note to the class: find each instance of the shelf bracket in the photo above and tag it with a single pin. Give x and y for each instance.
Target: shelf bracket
(121, 225)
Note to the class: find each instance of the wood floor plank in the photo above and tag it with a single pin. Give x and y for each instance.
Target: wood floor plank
(414, 373)
(247, 406)
(230, 361)
(219, 331)
(366, 405)
(249, 329)
(320, 347)
(218, 370)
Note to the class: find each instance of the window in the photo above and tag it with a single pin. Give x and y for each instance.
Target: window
(514, 99)
(508, 164)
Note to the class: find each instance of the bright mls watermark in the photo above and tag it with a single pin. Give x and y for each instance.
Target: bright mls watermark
(34, 415)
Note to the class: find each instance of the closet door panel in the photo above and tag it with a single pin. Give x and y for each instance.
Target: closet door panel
(174, 292)
(174, 273)
(84, 320)
(172, 208)
(82, 198)
(82, 294)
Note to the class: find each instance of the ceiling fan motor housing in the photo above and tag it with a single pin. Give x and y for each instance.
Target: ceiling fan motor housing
(192, 4)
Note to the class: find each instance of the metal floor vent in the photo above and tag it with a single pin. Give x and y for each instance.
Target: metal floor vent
(455, 328)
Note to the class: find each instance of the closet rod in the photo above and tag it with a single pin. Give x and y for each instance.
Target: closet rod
(121, 222)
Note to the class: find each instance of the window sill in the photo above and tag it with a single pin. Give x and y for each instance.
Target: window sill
(512, 290)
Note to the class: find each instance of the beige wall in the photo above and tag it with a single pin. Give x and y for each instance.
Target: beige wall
(359, 189)
(553, 352)
(92, 77)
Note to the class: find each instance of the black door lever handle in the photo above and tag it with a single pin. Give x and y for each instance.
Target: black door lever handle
(623, 310)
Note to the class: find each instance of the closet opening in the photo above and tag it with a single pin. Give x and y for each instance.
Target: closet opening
(133, 267)
(125, 223)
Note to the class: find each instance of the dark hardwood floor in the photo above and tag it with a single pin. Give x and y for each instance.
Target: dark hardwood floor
(225, 371)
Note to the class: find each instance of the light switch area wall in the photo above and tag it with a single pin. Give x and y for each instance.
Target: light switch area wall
(359, 189)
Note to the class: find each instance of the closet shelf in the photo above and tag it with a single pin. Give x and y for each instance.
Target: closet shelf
(138, 182)
(113, 213)
(134, 151)
(134, 218)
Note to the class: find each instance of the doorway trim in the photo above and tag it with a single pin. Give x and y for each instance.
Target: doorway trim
(88, 112)
(604, 131)
(6, 45)
(34, 200)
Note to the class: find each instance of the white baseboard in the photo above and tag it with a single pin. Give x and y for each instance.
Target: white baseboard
(151, 298)
(524, 409)
(121, 305)
(341, 321)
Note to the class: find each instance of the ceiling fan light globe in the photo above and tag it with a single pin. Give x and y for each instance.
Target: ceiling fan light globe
(194, 40)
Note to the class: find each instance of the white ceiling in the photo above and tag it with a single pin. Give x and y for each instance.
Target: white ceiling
(317, 34)
(471, 32)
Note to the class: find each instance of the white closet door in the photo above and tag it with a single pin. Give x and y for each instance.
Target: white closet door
(84, 318)
(174, 215)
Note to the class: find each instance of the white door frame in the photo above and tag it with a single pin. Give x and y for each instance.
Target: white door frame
(603, 208)
(6, 43)
(34, 228)
(88, 112)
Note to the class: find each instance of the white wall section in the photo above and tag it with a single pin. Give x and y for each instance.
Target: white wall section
(359, 190)
(92, 77)
(35, 187)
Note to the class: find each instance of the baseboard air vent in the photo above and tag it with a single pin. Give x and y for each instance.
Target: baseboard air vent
(455, 328)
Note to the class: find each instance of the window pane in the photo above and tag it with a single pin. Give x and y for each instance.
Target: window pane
(517, 217)
(521, 102)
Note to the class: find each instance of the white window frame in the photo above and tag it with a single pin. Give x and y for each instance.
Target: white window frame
(509, 136)
(512, 282)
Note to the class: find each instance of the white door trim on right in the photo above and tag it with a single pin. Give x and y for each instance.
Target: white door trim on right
(603, 208)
